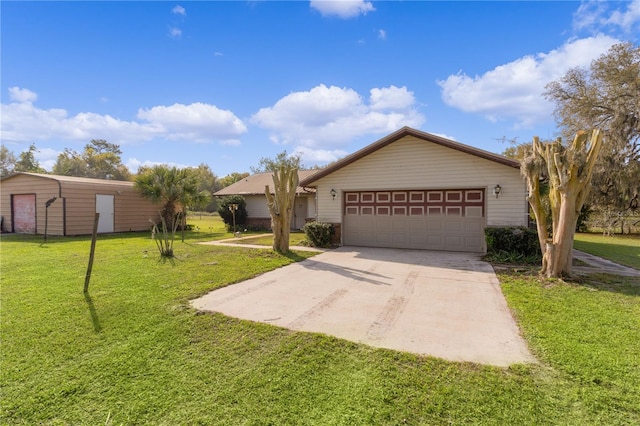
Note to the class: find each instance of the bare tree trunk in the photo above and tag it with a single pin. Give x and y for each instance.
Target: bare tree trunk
(563, 237)
(569, 172)
(285, 180)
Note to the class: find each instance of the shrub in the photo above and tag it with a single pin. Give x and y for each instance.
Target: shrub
(517, 240)
(319, 234)
(227, 215)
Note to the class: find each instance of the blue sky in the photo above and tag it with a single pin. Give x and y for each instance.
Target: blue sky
(227, 83)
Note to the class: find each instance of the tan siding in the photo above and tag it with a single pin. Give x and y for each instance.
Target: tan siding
(132, 212)
(44, 190)
(257, 206)
(411, 163)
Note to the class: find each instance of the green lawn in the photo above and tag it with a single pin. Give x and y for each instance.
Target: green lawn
(622, 249)
(136, 353)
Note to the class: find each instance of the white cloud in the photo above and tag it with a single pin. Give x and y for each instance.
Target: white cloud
(332, 116)
(444, 135)
(596, 15)
(175, 32)
(47, 157)
(342, 8)
(514, 90)
(194, 122)
(391, 97)
(22, 95)
(627, 19)
(311, 157)
(179, 10)
(382, 34)
(133, 164)
(197, 122)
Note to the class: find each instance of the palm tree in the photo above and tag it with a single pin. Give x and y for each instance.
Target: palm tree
(172, 187)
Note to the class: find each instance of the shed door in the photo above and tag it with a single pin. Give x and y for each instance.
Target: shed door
(24, 213)
(104, 206)
(451, 220)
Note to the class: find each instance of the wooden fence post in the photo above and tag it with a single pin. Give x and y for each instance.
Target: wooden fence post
(93, 249)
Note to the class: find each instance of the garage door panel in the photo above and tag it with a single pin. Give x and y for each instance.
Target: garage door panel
(417, 226)
(453, 226)
(435, 224)
(397, 222)
(454, 243)
(473, 226)
(435, 242)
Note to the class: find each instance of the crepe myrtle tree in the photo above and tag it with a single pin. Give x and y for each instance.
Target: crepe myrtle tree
(567, 170)
(280, 203)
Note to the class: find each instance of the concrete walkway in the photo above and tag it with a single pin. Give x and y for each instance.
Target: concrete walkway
(233, 242)
(447, 305)
(600, 265)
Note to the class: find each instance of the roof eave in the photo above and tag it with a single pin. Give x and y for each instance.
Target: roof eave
(399, 134)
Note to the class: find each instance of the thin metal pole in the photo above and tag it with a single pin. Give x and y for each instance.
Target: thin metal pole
(46, 222)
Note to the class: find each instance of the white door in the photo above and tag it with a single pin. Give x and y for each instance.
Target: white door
(104, 206)
(299, 212)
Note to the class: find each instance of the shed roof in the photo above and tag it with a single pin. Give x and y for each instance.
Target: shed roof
(254, 184)
(399, 134)
(60, 178)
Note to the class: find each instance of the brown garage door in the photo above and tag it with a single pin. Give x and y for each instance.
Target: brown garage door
(447, 219)
(23, 207)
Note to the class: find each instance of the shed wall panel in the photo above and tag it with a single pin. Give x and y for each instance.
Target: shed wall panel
(44, 189)
(78, 200)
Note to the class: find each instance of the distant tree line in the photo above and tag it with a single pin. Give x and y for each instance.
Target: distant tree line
(605, 96)
(103, 160)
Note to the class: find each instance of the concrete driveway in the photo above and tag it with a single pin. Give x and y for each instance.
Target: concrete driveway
(447, 305)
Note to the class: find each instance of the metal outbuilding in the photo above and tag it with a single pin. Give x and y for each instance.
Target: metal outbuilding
(69, 205)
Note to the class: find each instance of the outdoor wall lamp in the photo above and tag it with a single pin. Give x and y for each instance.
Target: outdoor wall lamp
(46, 215)
(497, 190)
(333, 194)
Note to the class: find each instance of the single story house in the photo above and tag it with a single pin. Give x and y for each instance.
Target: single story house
(413, 189)
(69, 205)
(252, 188)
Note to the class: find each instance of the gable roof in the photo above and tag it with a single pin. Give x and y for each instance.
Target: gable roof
(254, 184)
(399, 134)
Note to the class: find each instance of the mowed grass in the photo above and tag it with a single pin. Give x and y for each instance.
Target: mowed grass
(622, 249)
(134, 352)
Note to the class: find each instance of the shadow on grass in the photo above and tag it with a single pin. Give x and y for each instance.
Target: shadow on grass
(167, 259)
(294, 256)
(190, 236)
(629, 286)
(92, 311)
